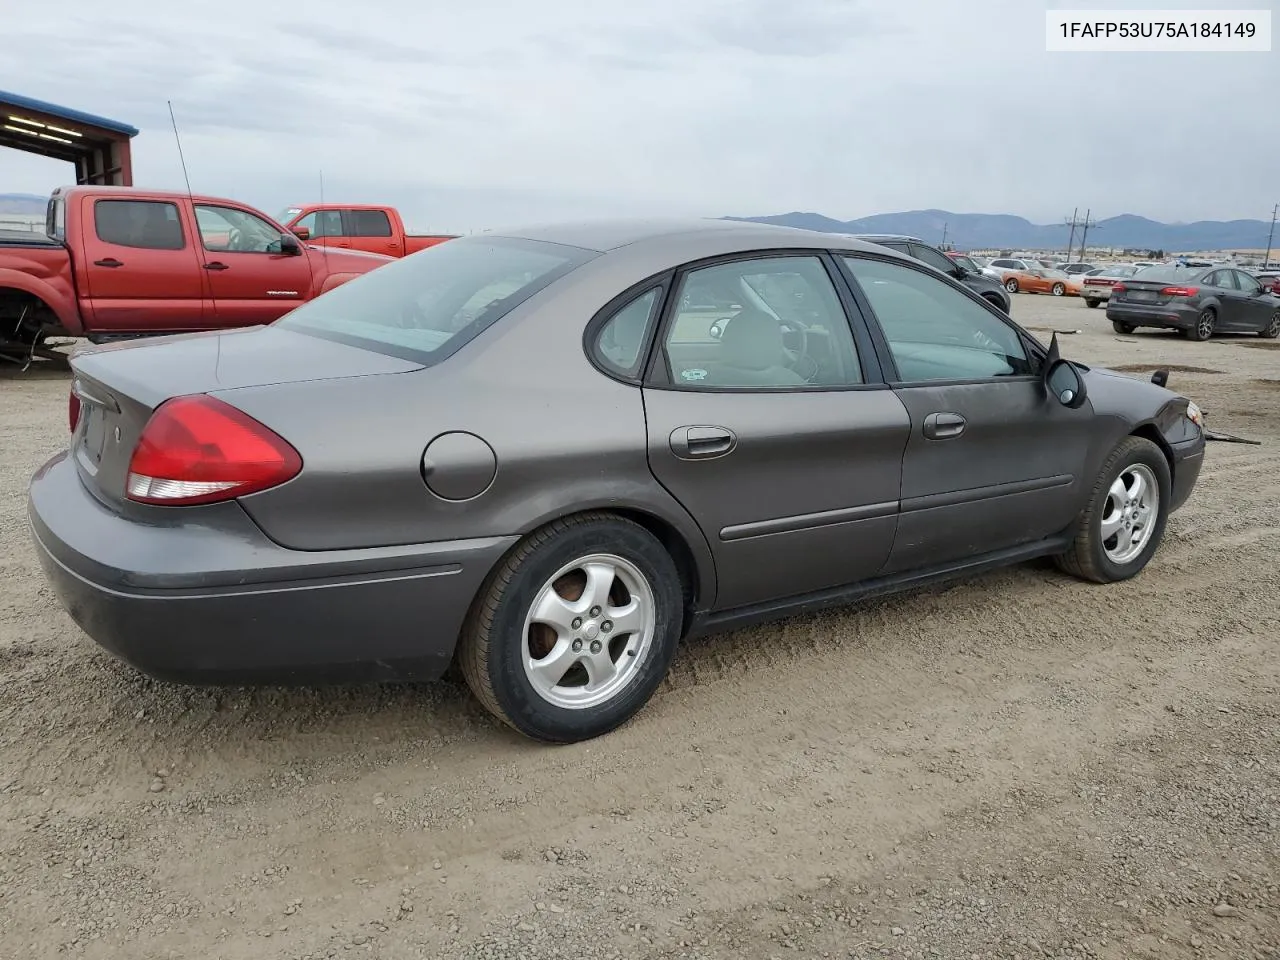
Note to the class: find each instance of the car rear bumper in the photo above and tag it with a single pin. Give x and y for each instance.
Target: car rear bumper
(1188, 458)
(1168, 315)
(207, 598)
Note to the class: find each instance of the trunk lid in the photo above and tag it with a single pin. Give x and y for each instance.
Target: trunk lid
(1144, 292)
(119, 386)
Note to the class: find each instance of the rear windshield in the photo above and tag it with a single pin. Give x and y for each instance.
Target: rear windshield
(1175, 272)
(425, 307)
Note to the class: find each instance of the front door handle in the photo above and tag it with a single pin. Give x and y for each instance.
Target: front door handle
(702, 443)
(216, 265)
(943, 426)
(108, 262)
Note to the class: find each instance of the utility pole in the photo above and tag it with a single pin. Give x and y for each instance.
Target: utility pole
(944, 236)
(1084, 231)
(1270, 234)
(1071, 241)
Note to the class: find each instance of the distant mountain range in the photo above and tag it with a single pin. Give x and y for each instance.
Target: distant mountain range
(22, 203)
(998, 231)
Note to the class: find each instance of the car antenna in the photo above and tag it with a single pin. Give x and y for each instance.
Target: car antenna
(195, 251)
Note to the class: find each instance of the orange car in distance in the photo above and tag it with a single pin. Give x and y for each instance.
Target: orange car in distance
(1053, 282)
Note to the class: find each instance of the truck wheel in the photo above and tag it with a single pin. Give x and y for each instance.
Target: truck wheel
(575, 629)
(1121, 527)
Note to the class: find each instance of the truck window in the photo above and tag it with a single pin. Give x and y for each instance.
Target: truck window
(322, 223)
(150, 224)
(56, 219)
(229, 230)
(369, 223)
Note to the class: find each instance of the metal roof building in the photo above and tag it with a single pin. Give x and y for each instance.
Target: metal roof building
(98, 147)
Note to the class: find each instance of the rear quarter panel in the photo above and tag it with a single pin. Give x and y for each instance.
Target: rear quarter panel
(566, 438)
(47, 273)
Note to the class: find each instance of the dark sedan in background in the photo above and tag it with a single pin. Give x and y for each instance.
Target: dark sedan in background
(1199, 301)
(549, 455)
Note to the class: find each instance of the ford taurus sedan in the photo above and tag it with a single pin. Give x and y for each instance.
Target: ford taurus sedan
(1199, 301)
(549, 455)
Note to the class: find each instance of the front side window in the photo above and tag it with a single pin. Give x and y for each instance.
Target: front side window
(148, 224)
(767, 323)
(1247, 284)
(369, 223)
(1227, 280)
(230, 230)
(322, 223)
(936, 332)
(427, 306)
(939, 261)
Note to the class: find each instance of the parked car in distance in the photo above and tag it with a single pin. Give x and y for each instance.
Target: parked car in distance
(975, 279)
(121, 262)
(1199, 301)
(375, 443)
(1005, 264)
(347, 226)
(1270, 279)
(1095, 287)
(1041, 280)
(1074, 269)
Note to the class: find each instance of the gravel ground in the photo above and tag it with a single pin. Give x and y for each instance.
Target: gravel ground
(1018, 766)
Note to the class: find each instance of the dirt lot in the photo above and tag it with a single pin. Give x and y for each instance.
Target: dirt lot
(1019, 766)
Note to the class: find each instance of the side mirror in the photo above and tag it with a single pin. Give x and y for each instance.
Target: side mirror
(960, 273)
(302, 233)
(1062, 379)
(290, 246)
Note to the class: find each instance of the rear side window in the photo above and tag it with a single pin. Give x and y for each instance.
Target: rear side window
(621, 340)
(149, 224)
(426, 307)
(369, 223)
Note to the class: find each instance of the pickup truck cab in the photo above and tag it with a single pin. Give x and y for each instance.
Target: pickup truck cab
(347, 226)
(120, 262)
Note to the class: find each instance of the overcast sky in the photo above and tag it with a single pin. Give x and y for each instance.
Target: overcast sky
(480, 113)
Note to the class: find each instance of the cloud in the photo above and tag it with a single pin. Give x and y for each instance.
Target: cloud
(469, 115)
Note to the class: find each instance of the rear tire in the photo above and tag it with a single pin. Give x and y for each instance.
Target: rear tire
(1272, 329)
(1091, 304)
(1011, 285)
(1057, 289)
(1119, 327)
(561, 674)
(1205, 323)
(1123, 523)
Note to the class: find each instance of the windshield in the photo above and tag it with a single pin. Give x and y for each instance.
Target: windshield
(425, 307)
(287, 214)
(967, 264)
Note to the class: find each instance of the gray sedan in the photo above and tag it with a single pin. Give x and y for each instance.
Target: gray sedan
(1199, 301)
(547, 456)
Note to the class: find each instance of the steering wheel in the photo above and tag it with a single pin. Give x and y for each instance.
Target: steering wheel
(798, 357)
(234, 238)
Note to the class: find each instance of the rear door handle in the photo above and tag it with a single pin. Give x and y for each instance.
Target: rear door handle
(216, 265)
(702, 443)
(943, 426)
(108, 262)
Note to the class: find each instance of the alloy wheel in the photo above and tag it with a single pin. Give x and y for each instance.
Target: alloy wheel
(1129, 516)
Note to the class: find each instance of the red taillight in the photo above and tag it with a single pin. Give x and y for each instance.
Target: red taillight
(1179, 291)
(73, 410)
(201, 450)
(1119, 288)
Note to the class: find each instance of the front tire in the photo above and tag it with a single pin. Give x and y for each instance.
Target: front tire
(1119, 327)
(575, 629)
(1123, 523)
(1205, 323)
(1272, 329)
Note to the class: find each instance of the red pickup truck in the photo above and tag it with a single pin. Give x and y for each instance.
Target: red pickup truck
(120, 262)
(347, 226)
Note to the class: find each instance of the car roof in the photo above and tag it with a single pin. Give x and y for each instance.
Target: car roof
(884, 236)
(716, 235)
